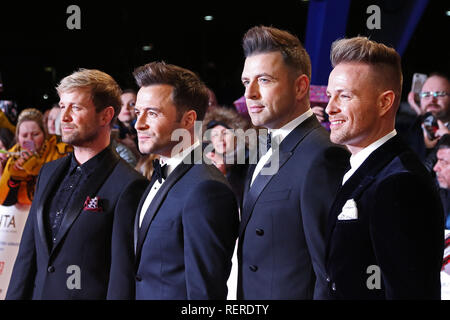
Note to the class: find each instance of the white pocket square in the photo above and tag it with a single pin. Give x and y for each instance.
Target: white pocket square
(349, 211)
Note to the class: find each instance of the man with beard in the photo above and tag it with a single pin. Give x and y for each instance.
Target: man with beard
(434, 105)
(78, 238)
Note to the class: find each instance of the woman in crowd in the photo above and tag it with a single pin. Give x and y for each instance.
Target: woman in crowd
(217, 127)
(26, 157)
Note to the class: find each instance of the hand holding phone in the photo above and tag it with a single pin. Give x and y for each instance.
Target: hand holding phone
(29, 145)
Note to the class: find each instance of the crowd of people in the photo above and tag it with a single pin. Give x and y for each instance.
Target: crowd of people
(355, 209)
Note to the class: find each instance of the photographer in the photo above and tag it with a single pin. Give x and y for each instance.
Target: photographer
(434, 115)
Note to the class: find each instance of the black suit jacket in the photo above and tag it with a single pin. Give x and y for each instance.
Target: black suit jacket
(399, 229)
(281, 248)
(100, 244)
(185, 243)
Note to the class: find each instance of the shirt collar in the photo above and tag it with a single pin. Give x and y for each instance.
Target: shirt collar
(278, 135)
(174, 161)
(357, 159)
(91, 165)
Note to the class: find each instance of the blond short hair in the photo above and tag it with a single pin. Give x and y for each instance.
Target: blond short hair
(386, 62)
(104, 89)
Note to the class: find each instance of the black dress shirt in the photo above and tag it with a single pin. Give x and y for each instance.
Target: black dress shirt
(71, 184)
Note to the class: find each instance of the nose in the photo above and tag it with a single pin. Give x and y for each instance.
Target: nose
(141, 123)
(332, 107)
(65, 115)
(252, 91)
(436, 167)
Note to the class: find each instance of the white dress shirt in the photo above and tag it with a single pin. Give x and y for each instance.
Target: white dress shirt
(278, 136)
(171, 163)
(358, 159)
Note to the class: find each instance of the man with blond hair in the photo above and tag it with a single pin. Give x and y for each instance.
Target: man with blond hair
(385, 229)
(78, 238)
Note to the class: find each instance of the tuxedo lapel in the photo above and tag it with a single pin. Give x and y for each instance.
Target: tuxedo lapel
(138, 212)
(285, 151)
(361, 179)
(177, 174)
(50, 186)
(95, 181)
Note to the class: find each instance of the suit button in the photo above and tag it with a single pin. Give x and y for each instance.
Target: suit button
(51, 269)
(253, 268)
(138, 278)
(328, 279)
(333, 286)
(259, 232)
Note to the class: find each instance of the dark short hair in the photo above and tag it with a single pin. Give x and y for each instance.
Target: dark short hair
(189, 92)
(385, 60)
(262, 39)
(444, 142)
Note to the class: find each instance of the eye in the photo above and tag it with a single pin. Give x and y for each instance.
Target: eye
(264, 80)
(245, 82)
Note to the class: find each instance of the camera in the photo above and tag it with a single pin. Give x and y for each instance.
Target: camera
(431, 125)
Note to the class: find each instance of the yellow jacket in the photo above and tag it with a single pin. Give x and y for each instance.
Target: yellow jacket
(4, 123)
(17, 186)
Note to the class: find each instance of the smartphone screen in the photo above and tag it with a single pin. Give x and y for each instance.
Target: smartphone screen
(29, 144)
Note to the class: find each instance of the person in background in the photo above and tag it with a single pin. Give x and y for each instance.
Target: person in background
(442, 170)
(385, 228)
(32, 150)
(422, 135)
(54, 120)
(218, 127)
(7, 140)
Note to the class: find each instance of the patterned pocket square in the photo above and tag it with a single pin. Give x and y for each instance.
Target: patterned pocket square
(92, 204)
(349, 211)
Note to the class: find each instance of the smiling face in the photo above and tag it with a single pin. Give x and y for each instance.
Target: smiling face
(352, 107)
(157, 118)
(270, 90)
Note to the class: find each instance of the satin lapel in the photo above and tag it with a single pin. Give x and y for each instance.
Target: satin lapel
(138, 212)
(54, 178)
(258, 186)
(176, 175)
(362, 178)
(95, 181)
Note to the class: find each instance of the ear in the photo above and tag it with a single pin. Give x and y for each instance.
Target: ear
(386, 102)
(107, 115)
(188, 119)
(301, 86)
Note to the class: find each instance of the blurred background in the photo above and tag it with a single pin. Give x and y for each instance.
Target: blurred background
(37, 49)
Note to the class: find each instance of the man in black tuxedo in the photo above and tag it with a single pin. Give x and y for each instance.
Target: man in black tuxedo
(289, 192)
(385, 234)
(78, 239)
(186, 223)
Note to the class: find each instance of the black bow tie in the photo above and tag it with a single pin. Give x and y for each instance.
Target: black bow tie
(269, 140)
(159, 171)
